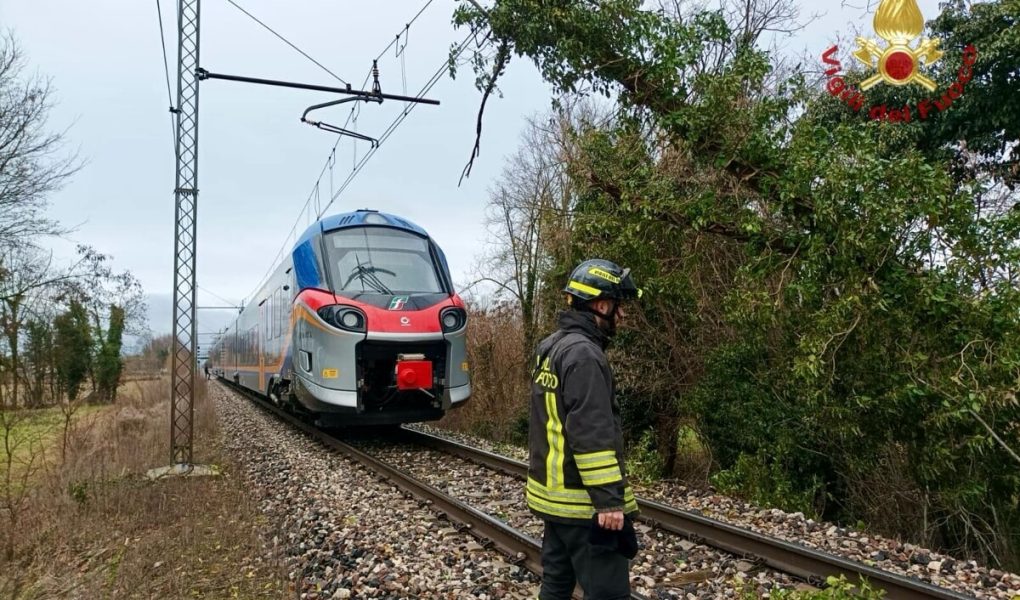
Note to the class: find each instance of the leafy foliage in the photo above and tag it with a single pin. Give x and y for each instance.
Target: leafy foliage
(73, 349)
(824, 291)
(108, 362)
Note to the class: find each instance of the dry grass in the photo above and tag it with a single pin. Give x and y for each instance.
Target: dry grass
(500, 386)
(96, 528)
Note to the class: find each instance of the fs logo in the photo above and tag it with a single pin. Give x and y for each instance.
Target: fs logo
(899, 23)
(398, 302)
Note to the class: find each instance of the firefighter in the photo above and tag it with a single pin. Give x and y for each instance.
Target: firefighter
(576, 478)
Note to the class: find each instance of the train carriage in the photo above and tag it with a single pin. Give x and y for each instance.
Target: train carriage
(358, 325)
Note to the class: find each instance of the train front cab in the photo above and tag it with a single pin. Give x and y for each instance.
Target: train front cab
(379, 332)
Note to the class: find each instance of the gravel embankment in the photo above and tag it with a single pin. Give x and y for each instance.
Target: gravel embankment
(346, 533)
(964, 576)
(668, 566)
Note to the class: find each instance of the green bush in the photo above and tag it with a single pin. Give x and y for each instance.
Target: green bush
(764, 481)
(644, 464)
(837, 588)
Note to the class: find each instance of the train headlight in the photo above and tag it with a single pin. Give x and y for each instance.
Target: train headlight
(344, 317)
(453, 319)
(350, 319)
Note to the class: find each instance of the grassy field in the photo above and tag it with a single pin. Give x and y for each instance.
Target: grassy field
(26, 433)
(91, 525)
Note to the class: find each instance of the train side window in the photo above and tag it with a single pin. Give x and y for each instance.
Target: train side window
(274, 322)
(282, 315)
(265, 318)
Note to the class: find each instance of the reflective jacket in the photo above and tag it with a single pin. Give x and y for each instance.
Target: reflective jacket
(576, 465)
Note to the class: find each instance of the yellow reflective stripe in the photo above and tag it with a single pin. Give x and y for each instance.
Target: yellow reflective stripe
(562, 493)
(575, 504)
(568, 495)
(601, 476)
(571, 511)
(601, 480)
(604, 480)
(589, 457)
(598, 472)
(596, 463)
(554, 436)
(587, 289)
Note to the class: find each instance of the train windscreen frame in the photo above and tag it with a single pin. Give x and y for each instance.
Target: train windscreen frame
(381, 260)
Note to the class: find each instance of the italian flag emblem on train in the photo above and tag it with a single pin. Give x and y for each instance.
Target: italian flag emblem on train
(398, 302)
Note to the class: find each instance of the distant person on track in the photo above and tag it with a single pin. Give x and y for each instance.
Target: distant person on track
(576, 478)
(206, 366)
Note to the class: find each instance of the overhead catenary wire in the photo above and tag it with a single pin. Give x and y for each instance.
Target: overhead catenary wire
(361, 164)
(396, 122)
(166, 71)
(368, 75)
(288, 42)
(331, 157)
(214, 295)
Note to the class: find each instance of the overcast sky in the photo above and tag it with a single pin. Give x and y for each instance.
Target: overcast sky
(257, 162)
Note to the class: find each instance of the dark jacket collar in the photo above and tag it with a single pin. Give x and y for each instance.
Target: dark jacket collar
(572, 321)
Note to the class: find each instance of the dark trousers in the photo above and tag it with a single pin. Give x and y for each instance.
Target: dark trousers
(568, 558)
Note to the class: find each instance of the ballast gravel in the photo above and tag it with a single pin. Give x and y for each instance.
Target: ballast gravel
(343, 531)
(667, 566)
(963, 576)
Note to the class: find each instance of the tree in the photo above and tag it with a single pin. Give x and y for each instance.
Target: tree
(38, 361)
(32, 164)
(73, 349)
(828, 295)
(987, 113)
(528, 217)
(155, 354)
(25, 273)
(108, 364)
(73, 360)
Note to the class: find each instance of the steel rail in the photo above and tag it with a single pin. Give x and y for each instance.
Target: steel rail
(811, 565)
(522, 549)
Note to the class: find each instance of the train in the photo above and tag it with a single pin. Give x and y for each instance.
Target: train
(359, 324)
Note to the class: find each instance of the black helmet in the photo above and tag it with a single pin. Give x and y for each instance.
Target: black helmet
(596, 278)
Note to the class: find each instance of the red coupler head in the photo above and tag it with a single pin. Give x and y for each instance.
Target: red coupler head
(414, 374)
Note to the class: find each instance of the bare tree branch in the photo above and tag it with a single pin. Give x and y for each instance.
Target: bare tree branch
(499, 65)
(32, 161)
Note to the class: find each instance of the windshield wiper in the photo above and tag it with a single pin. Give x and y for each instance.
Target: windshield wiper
(366, 274)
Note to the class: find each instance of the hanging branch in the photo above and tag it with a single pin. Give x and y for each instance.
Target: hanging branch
(498, 66)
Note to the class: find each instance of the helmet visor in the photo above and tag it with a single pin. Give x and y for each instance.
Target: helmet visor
(629, 291)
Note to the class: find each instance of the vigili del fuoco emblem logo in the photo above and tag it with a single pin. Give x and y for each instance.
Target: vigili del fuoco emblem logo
(899, 62)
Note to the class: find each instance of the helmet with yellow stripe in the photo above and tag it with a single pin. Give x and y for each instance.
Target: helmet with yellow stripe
(595, 279)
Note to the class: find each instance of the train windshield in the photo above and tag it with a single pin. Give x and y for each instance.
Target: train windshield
(380, 260)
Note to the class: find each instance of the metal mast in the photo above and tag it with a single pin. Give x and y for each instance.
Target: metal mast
(182, 393)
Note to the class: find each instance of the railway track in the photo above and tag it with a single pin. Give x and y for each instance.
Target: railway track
(811, 565)
(522, 549)
(808, 564)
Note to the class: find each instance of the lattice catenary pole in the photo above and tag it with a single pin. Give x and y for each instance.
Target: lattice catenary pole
(182, 392)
